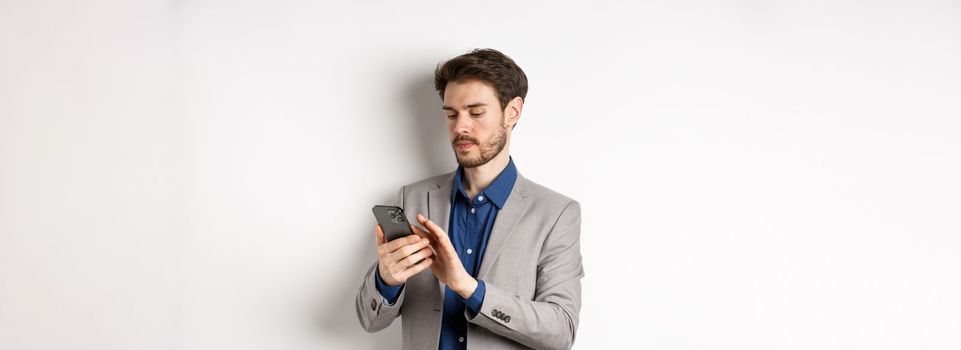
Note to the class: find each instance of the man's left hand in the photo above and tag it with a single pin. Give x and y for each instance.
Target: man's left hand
(447, 266)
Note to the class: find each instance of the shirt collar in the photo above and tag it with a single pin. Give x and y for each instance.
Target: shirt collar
(498, 191)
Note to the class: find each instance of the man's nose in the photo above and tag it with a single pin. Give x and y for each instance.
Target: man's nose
(462, 125)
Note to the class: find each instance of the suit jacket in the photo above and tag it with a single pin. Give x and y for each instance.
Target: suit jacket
(531, 268)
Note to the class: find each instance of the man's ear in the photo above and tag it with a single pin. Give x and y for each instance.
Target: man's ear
(512, 113)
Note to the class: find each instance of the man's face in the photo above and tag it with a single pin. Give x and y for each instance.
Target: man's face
(476, 123)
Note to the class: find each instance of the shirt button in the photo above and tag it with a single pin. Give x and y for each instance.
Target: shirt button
(471, 210)
(480, 198)
(461, 339)
(469, 251)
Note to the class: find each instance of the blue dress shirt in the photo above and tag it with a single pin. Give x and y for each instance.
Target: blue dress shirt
(470, 227)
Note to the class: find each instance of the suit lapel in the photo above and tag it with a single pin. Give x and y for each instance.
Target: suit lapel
(438, 211)
(438, 203)
(515, 207)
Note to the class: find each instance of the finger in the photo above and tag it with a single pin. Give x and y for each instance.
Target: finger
(405, 251)
(420, 232)
(436, 237)
(412, 259)
(429, 236)
(398, 261)
(438, 232)
(379, 235)
(413, 270)
(404, 262)
(439, 239)
(446, 248)
(441, 235)
(392, 246)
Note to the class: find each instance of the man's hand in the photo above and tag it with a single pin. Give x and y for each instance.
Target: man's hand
(399, 258)
(447, 266)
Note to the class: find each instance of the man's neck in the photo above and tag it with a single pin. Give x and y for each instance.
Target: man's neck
(479, 178)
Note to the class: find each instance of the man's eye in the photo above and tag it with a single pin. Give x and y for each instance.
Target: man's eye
(476, 114)
(449, 116)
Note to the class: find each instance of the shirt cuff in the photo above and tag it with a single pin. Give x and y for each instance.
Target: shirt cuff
(476, 300)
(389, 293)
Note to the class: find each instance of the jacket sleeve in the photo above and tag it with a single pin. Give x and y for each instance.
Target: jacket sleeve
(550, 320)
(372, 310)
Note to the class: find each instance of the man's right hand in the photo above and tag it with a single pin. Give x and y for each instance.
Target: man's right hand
(398, 258)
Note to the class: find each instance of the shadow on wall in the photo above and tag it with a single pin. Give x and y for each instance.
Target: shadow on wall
(427, 124)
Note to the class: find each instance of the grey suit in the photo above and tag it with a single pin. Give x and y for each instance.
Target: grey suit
(532, 270)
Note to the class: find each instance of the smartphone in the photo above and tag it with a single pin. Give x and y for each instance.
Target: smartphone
(393, 221)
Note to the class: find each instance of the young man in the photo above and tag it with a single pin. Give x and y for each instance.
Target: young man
(503, 252)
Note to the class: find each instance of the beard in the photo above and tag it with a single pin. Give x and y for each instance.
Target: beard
(488, 150)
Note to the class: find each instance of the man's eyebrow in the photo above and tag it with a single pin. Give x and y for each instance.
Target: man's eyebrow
(472, 105)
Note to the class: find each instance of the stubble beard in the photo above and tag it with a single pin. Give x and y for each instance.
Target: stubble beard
(488, 151)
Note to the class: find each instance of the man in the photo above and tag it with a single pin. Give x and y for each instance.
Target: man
(503, 251)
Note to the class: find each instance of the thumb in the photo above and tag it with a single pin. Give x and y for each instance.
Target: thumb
(379, 235)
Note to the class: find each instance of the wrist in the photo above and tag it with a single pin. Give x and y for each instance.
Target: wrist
(465, 288)
(386, 280)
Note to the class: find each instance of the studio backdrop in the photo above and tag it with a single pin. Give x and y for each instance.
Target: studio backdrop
(752, 174)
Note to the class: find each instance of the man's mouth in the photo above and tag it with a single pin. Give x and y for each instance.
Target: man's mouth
(464, 145)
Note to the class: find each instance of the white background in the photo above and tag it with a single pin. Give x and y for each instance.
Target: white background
(753, 174)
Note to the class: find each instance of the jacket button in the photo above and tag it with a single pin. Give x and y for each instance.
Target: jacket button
(507, 319)
(373, 304)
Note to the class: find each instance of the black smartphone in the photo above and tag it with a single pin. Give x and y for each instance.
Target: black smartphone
(393, 221)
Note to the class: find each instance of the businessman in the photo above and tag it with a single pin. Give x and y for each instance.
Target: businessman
(495, 262)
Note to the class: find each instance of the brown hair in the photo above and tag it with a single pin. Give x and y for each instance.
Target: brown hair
(488, 66)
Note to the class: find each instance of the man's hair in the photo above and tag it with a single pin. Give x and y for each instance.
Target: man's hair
(488, 66)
